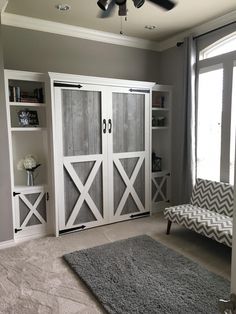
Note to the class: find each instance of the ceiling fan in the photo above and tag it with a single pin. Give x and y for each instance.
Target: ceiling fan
(108, 6)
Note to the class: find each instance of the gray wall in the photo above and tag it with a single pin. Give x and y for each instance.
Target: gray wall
(42, 52)
(38, 51)
(6, 227)
(171, 72)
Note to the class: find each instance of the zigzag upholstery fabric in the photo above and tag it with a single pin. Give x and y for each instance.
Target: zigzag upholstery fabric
(203, 221)
(215, 196)
(209, 213)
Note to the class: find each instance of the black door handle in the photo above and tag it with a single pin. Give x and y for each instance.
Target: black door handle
(109, 126)
(104, 129)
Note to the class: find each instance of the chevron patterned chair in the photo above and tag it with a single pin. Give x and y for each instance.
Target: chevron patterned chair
(209, 212)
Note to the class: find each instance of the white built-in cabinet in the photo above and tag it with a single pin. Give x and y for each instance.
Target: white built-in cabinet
(161, 146)
(94, 139)
(25, 93)
(101, 130)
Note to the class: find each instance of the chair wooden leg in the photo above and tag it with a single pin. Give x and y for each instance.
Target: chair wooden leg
(168, 226)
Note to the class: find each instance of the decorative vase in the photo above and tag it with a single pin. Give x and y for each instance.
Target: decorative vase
(30, 177)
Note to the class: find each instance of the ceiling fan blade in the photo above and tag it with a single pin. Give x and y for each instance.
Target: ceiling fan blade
(110, 10)
(165, 4)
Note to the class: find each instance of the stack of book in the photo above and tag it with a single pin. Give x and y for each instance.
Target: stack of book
(16, 95)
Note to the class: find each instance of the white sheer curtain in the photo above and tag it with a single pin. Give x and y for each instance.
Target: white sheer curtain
(187, 125)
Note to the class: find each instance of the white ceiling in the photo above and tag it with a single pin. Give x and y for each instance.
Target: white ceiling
(187, 14)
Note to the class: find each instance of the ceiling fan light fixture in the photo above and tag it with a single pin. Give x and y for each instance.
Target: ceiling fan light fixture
(103, 4)
(122, 10)
(138, 3)
(150, 27)
(63, 7)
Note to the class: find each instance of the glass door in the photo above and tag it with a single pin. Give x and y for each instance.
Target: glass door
(209, 123)
(129, 145)
(233, 129)
(81, 155)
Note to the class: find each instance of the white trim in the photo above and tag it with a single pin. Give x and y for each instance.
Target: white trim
(24, 75)
(106, 37)
(76, 31)
(61, 77)
(217, 44)
(7, 244)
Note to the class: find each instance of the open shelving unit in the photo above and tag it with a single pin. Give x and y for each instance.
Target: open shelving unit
(25, 93)
(161, 146)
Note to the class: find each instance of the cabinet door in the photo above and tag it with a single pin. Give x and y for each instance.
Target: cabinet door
(30, 208)
(129, 144)
(80, 157)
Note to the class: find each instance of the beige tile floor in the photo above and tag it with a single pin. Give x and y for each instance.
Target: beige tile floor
(35, 279)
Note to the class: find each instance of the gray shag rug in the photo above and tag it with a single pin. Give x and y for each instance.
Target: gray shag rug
(140, 275)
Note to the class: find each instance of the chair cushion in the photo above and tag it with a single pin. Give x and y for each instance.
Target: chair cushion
(214, 196)
(206, 222)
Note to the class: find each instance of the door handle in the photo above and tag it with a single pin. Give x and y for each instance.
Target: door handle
(109, 126)
(104, 128)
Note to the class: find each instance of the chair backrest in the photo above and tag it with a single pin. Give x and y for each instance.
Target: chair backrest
(214, 196)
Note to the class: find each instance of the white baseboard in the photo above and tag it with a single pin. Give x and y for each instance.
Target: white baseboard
(6, 244)
(26, 238)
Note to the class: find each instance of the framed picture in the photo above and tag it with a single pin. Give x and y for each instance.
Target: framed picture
(28, 118)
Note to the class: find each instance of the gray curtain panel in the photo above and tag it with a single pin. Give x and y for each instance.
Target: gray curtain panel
(187, 130)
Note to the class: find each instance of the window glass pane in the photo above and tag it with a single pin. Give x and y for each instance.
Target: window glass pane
(233, 130)
(209, 124)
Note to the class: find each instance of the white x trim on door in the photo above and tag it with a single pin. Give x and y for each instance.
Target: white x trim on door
(158, 189)
(32, 209)
(129, 184)
(83, 189)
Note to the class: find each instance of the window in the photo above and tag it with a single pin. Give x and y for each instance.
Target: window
(233, 130)
(209, 124)
(224, 45)
(216, 111)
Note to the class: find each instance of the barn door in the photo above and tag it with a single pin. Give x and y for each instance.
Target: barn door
(81, 156)
(129, 150)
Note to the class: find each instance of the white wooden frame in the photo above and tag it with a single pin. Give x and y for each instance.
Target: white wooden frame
(46, 139)
(30, 231)
(143, 156)
(60, 160)
(103, 84)
(156, 133)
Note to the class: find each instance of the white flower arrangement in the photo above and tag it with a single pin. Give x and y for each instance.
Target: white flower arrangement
(28, 163)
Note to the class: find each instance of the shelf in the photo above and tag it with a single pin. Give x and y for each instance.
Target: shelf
(27, 104)
(27, 129)
(160, 128)
(160, 109)
(160, 173)
(25, 188)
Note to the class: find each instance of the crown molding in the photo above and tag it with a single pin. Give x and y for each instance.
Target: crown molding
(76, 31)
(106, 37)
(198, 30)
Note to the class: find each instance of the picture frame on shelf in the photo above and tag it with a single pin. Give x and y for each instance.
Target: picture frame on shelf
(28, 118)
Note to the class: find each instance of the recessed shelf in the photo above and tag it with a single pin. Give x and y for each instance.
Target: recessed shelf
(21, 188)
(27, 104)
(160, 128)
(160, 109)
(160, 173)
(27, 129)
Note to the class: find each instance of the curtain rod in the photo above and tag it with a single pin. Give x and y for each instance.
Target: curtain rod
(180, 43)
